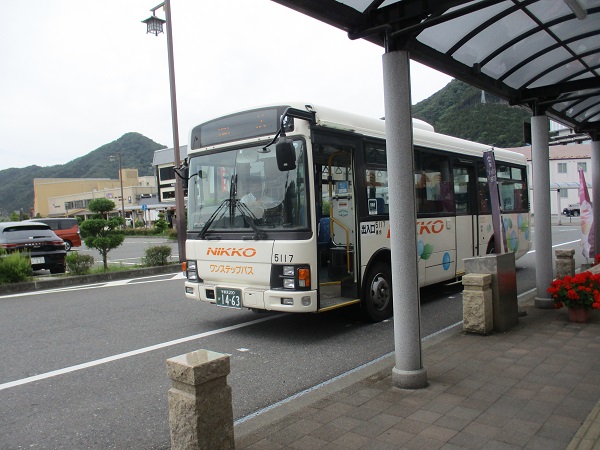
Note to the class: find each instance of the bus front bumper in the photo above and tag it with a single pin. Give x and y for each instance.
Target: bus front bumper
(254, 298)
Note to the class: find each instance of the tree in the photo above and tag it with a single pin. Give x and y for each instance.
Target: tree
(101, 232)
(161, 224)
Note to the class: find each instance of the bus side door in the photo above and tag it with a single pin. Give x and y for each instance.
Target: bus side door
(466, 218)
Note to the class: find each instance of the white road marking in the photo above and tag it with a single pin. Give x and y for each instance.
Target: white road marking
(148, 279)
(139, 351)
(557, 245)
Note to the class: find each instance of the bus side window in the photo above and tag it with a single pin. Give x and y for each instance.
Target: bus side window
(376, 180)
(433, 189)
(377, 189)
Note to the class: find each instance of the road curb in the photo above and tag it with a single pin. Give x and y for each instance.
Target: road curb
(75, 280)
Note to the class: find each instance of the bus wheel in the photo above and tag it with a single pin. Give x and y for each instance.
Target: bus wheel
(491, 248)
(377, 300)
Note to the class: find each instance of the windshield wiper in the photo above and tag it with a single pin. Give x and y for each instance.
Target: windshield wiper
(213, 217)
(244, 210)
(232, 198)
(227, 202)
(250, 219)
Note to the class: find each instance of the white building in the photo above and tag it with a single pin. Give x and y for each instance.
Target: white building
(565, 162)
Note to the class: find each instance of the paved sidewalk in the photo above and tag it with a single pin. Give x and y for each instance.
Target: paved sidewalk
(536, 386)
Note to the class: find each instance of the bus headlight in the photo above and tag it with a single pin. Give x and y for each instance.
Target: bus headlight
(293, 277)
(192, 271)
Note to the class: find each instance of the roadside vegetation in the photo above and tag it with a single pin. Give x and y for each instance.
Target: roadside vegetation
(16, 267)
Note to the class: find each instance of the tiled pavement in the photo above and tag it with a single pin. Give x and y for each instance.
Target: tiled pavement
(536, 386)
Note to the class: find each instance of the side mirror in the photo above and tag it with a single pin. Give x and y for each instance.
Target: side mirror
(185, 179)
(286, 155)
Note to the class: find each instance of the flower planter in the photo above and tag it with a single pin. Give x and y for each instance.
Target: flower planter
(580, 315)
(579, 293)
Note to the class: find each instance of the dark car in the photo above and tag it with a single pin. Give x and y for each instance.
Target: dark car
(572, 210)
(45, 248)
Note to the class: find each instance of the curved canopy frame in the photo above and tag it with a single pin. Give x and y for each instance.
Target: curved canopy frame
(538, 53)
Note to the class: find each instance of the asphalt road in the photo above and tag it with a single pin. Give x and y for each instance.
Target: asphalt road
(85, 367)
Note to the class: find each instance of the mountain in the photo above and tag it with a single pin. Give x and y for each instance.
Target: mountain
(457, 110)
(137, 151)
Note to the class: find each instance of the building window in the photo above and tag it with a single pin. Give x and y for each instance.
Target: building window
(581, 166)
(166, 173)
(564, 193)
(562, 167)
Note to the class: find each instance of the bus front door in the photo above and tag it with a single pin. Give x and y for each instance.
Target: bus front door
(336, 228)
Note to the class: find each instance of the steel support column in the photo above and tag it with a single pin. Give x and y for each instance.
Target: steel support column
(408, 372)
(541, 208)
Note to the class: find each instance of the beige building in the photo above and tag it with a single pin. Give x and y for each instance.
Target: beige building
(55, 197)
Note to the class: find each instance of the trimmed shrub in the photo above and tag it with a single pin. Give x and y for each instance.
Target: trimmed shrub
(14, 267)
(161, 224)
(171, 233)
(79, 264)
(139, 231)
(157, 256)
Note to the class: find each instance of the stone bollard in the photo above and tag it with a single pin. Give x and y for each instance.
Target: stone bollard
(478, 315)
(565, 262)
(200, 408)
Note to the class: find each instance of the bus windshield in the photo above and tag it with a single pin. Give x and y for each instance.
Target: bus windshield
(234, 190)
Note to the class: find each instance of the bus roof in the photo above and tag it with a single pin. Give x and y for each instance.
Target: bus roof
(423, 133)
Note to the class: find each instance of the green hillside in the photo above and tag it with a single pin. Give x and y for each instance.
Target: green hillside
(457, 110)
(16, 185)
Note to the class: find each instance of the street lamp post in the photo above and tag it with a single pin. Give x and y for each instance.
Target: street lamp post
(112, 158)
(155, 26)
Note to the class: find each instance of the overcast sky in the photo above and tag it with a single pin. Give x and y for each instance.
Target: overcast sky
(77, 74)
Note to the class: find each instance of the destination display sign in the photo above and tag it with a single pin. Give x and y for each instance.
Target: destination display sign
(260, 122)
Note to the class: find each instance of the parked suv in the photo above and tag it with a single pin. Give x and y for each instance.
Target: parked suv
(45, 248)
(65, 228)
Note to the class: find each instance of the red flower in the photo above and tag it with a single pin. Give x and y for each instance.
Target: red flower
(580, 290)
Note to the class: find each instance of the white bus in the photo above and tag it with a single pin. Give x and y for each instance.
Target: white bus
(288, 209)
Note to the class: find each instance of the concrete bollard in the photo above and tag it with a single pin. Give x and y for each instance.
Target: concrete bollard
(200, 408)
(478, 316)
(565, 262)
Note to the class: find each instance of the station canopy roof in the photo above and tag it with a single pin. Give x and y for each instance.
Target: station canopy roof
(541, 53)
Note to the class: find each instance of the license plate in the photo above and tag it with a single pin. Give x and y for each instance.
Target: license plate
(37, 260)
(229, 298)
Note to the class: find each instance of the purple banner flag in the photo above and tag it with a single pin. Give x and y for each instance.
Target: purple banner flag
(490, 170)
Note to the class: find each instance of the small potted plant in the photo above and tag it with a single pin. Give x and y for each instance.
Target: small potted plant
(579, 293)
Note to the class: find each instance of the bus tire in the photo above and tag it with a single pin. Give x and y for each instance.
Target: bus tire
(377, 302)
(491, 248)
